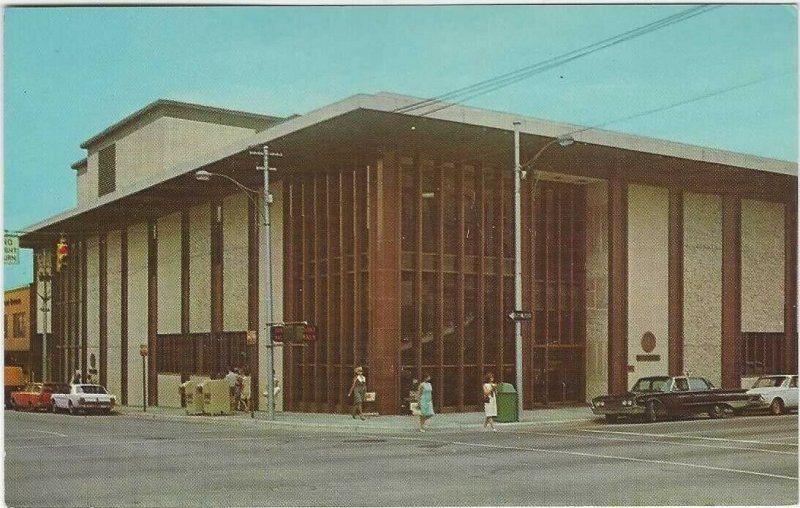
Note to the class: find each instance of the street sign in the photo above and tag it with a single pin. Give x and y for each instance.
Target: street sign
(252, 337)
(11, 250)
(309, 333)
(293, 333)
(143, 350)
(520, 315)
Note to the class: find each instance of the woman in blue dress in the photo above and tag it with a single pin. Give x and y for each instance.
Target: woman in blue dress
(425, 398)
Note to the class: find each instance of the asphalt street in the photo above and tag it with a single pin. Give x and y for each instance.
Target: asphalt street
(120, 460)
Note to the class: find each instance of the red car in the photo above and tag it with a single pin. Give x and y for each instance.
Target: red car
(34, 396)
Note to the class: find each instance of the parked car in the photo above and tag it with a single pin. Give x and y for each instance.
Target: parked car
(35, 396)
(85, 398)
(778, 393)
(661, 397)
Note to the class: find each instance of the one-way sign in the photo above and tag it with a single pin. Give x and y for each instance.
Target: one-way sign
(521, 315)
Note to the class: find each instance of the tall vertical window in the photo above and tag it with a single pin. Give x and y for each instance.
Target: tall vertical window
(19, 324)
(107, 170)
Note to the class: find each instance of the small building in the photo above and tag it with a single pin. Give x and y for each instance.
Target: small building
(21, 347)
(392, 232)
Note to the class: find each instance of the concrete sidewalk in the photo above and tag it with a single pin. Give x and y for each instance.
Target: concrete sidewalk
(384, 423)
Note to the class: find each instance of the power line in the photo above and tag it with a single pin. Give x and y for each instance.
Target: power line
(552, 62)
(681, 103)
(509, 78)
(658, 109)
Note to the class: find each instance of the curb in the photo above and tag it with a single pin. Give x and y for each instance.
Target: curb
(342, 427)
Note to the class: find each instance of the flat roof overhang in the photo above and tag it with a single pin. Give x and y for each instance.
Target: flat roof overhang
(315, 141)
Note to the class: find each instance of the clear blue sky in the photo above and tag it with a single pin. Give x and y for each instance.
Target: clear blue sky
(71, 72)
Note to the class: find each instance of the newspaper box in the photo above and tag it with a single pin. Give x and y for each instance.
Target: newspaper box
(216, 397)
(194, 400)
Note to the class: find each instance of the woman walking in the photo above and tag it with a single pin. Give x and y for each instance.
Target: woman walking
(425, 398)
(357, 390)
(489, 401)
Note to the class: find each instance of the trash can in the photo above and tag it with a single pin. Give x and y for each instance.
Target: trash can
(194, 400)
(216, 397)
(506, 403)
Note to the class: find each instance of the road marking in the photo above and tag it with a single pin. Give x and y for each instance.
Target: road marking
(30, 438)
(138, 441)
(601, 456)
(45, 432)
(628, 440)
(688, 437)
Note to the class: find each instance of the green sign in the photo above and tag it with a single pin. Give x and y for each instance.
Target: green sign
(11, 250)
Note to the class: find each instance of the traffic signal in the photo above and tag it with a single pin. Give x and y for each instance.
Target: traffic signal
(62, 251)
(277, 333)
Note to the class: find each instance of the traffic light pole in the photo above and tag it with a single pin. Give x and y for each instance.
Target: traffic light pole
(45, 280)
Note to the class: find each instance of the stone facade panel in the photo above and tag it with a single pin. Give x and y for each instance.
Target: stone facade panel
(702, 304)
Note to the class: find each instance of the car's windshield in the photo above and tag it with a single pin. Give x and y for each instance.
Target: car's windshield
(91, 389)
(768, 382)
(651, 384)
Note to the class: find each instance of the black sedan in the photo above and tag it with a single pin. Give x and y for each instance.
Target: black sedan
(661, 397)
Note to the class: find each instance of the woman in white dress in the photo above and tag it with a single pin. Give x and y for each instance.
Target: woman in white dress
(489, 401)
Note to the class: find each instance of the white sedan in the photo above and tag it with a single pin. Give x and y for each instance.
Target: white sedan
(779, 392)
(83, 397)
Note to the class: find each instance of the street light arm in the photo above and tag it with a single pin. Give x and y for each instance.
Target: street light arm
(250, 193)
(232, 180)
(561, 140)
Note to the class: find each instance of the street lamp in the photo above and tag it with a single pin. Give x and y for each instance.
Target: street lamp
(265, 269)
(518, 176)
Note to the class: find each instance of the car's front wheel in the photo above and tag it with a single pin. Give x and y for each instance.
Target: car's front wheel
(652, 411)
(776, 407)
(717, 411)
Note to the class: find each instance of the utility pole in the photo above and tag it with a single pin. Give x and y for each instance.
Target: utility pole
(518, 270)
(265, 310)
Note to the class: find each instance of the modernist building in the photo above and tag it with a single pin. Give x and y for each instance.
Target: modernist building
(392, 231)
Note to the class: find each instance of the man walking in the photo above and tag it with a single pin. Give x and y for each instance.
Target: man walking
(231, 378)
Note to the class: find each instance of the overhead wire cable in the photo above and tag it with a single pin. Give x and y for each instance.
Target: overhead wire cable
(510, 81)
(681, 103)
(503, 80)
(674, 18)
(659, 109)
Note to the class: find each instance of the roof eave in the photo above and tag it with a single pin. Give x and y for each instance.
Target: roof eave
(78, 165)
(389, 103)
